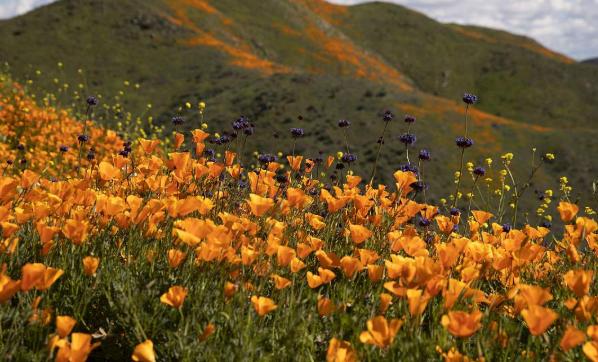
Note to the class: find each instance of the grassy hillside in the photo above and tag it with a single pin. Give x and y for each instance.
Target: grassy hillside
(274, 61)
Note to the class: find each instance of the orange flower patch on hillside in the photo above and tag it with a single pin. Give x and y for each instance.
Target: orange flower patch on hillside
(241, 53)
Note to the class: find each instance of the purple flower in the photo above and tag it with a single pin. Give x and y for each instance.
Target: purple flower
(455, 211)
(388, 116)
(343, 123)
(469, 98)
(506, 228)
(349, 158)
(464, 142)
(83, 138)
(178, 120)
(64, 148)
(479, 171)
(424, 155)
(241, 123)
(409, 119)
(408, 139)
(92, 101)
(297, 132)
(267, 158)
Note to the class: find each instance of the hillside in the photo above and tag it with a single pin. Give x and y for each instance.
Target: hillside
(275, 60)
(591, 61)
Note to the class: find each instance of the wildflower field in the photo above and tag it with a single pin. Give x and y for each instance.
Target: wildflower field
(186, 247)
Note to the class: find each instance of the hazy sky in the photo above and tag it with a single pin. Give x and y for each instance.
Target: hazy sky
(567, 26)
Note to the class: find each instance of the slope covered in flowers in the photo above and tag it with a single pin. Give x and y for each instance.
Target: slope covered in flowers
(113, 250)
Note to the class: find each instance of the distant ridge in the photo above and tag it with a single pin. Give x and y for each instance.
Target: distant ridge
(591, 61)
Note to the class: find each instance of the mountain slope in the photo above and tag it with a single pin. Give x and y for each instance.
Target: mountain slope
(274, 60)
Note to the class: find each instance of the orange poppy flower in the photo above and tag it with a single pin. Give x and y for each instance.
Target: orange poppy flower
(385, 302)
(174, 297)
(108, 172)
(78, 350)
(284, 255)
(144, 352)
(572, 338)
(590, 349)
(8, 287)
(381, 332)
(340, 351)
(76, 230)
(64, 325)
(207, 331)
(404, 180)
(38, 276)
(176, 257)
(295, 162)
(538, 318)
(462, 324)
(579, 281)
(230, 289)
(325, 306)
(481, 216)
(263, 305)
(280, 282)
(297, 265)
(259, 205)
(90, 265)
(359, 233)
(350, 265)
(148, 146)
(375, 272)
(567, 211)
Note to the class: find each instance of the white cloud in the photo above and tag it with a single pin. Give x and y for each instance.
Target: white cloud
(10, 8)
(567, 26)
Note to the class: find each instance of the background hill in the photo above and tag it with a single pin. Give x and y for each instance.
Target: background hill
(275, 60)
(591, 61)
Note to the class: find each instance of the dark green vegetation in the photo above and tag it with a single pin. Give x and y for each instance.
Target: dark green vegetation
(274, 60)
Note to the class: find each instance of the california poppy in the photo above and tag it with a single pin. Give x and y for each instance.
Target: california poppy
(174, 297)
(144, 352)
(90, 265)
(462, 324)
(538, 318)
(381, 332)
(263, 305)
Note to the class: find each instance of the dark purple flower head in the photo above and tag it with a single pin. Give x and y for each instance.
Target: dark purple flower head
(506, 228)
(281, 178)
(83, 138)
(92, 101)
(178, 120)
(455, 211)
(23, 161)
(424, 155)
(267, 158)
(343, 123)
(297, 132)
(419, 186)
(91, 155)
(124, 153)
(409, 119)
(479, 171)
(340, 166)
(464, 142)
(349, 158)
(424, 222)
(388, 116)
(241, 123)
(469, 98)
(64, 148)
(248, 131)
(409, 167)
(21, 147)
(9, 162)
(546, 224)
(408, 139)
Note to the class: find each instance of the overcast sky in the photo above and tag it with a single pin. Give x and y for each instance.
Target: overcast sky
(567, 26)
